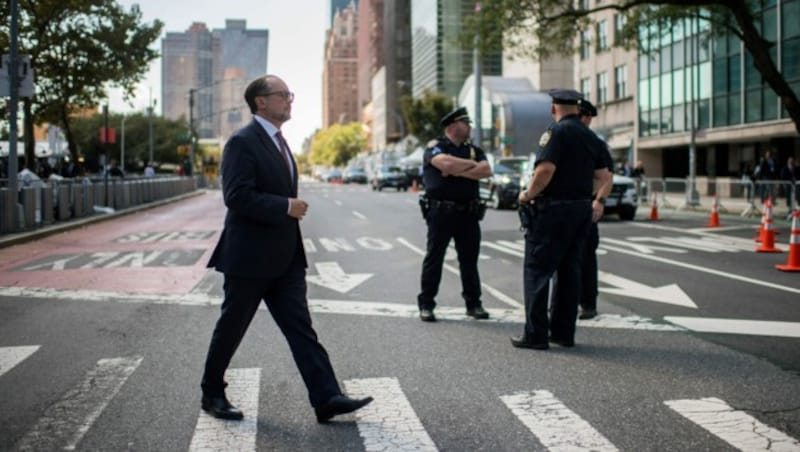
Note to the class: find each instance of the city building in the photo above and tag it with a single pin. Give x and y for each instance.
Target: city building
(209, 70)
(439, 64)
(338, 5)
(339, 78)
(369, 39)
(690, 79)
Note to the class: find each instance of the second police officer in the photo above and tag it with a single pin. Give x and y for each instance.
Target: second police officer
(568, 163)
(452, 167)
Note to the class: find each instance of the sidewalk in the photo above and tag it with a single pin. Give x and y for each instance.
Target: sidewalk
(728, 206)
(16, 238)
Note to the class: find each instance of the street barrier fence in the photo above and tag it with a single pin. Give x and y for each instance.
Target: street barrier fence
(49, 201)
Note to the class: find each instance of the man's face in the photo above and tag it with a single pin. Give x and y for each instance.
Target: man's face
(276, 104)
(586, 120)
(460, 130)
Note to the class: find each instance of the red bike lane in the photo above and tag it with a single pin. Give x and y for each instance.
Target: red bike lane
(162, 250)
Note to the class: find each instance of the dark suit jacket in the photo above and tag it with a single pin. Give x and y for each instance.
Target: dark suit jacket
(260, 239)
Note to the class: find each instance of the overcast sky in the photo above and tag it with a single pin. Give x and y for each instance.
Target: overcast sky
(296, 48)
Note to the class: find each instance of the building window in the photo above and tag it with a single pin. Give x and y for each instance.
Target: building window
(602, 36)
(586, 42)
(586, 88)
(583, 4)
(619, 24)
(602, 88)
(620, 81)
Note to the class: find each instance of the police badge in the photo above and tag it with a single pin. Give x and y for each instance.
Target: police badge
(545, 138)
(471, 153)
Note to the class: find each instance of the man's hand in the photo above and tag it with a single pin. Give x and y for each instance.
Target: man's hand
(297, 208)
(597, 211)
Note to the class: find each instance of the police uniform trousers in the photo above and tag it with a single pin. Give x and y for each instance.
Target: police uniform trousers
(555, 241)
(285, 297)
(462, 226)
(588, 297)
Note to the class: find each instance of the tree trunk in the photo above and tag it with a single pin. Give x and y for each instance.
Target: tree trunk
(73, 147)
(30, 140)
(759, 50)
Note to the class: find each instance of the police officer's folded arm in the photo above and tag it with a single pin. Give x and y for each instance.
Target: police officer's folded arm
(479, 171)
(449, 164)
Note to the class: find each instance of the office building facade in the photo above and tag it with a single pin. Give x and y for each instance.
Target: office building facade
(340, 71)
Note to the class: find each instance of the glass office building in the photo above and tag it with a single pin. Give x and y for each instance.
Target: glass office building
(688, 75)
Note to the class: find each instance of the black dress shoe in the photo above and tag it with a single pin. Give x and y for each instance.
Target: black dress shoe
(426, 315)
(521, 342)
(478, 313)
(562, 342)
(219, 407)
(587, 314)
(339, 404)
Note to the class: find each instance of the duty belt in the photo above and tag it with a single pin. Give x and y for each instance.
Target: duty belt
(453, 205)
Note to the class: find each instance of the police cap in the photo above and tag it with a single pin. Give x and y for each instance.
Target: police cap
(459, 114)
(587, 109)
(565, 96)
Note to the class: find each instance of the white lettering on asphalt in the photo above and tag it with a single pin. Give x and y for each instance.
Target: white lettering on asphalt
(497, 294)
(11, 356)
(374, 244)
(335, 245)
(735, 427)
(557, 427)
(331, 276)
(63, 424)
(59, 264)
(100, 259)
(212, 434)
(134, 259)
(389, 422)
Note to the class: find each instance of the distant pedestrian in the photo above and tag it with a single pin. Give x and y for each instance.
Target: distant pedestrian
(790, 175)
(766, 175)
(148, 170)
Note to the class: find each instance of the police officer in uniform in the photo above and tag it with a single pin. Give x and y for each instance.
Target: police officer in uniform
(558, 198)
(452, 167)
(588, 297)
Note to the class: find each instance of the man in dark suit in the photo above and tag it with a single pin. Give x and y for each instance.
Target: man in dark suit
(261, 254)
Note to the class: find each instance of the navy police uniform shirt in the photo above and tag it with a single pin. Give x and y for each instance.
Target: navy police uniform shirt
(576, 152)
(450, 188)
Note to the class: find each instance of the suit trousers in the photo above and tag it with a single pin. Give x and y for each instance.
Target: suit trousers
(285, 297)
(554, 242)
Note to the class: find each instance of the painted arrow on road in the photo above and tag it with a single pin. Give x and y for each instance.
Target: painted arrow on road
(670, 294)
(331, 275)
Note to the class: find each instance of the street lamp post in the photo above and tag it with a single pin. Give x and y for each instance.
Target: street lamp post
(122, 144)
(191, 129)
(151, 104)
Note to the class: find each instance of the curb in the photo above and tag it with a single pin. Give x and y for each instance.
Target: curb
(28, 236)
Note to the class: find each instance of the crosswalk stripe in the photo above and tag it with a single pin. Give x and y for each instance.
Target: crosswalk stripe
(11, 356)
(213, 434)
(735, 427)
(63, 424)
(389, 422)
(557, 427)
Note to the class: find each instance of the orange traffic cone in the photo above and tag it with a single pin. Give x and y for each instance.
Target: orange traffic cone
(793, 264)
(714, 221)
(654, 208)
(414, 187)
(768, 232)
(760, 231)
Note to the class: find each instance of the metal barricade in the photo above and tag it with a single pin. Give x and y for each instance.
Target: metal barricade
(30, 211)
(63, 202)
(48, 204)
(78, 203)
(7, 202)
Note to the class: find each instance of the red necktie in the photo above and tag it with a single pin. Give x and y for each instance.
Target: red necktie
(285, 152)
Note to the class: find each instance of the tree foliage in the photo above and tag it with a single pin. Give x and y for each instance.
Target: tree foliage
(422, 115)
(556, 24)
(78, 49)
(337, 144)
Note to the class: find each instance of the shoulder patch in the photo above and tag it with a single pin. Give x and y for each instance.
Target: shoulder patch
(545, 138)
(436, 151)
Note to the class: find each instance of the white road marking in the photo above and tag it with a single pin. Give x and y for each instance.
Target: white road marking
(735, 326)
(557, 427)
(11, 356)
(735, 427)
(670, 294)
(389, 423)
(703, 269)
(644, 249)
(721, 229)
(212, 434)
(309, 246)
(496, 293)
(359, 215)
(330, 275)
(337, 202)
(504, 249)
(64, 423)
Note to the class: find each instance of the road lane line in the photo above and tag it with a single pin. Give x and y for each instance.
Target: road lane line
(11, 356)
(337, 202)
(735, 326)
(556, 426)
(503, 249)
(496, 293)
(701, 269)
(63, 424)
(735, 427)
(212, 434)
(389, 422)
(359, 215)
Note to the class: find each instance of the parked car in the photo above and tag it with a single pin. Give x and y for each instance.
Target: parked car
(333, 175)
(354, 175)
(502, 189)
(390, 176)
(621, 201)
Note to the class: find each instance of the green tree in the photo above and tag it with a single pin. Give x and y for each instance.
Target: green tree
(422, 115)
(555, 24)
(78, 49)
(337, 144)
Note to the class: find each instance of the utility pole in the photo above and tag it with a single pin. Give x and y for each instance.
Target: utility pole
(13, 79)
(476, 64)
(191, 130)
(150, 126)
(692, 196)
(105, 149)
